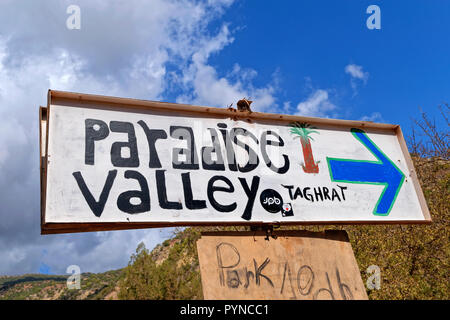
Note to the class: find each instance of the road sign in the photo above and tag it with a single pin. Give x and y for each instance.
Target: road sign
(112, 163)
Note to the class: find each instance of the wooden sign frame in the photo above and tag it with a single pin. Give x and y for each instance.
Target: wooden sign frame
(106, 102)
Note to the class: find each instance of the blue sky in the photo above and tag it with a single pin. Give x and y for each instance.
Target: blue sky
(313, 58)
(309, 43)
(304, 46)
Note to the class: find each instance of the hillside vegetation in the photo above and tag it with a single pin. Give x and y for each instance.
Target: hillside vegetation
(414, 259)
(54, 287)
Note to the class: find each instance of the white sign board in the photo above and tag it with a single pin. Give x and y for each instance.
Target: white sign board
(123, 163)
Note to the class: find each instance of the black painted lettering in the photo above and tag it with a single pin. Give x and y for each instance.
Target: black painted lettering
(233, 280)
(346, 293)
(231, 157)
(287, 271)
(334, 194)
(190, 153)
(220, 262)
(258, 272)
(124, 199)
(298, 192)
(291, 195)
(318, 194)
(253, 159)
(116, 149)
(329, 290)
(94, 130)
(162, 192)
(96, 206)
(305, 280)
(207, 152)
(280, 143)
(212, 188)
(190, 203)
(326, 193)
(307, 195)
(342, 191)
(251, 195)
(153, 135)
(248, 275)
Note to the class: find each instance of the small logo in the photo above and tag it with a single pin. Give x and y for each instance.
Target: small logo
(286, 210)
(271, 200)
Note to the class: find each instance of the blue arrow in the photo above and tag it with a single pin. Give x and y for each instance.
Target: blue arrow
(381, 172)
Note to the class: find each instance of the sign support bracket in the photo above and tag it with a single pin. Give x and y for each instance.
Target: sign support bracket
(267, 228)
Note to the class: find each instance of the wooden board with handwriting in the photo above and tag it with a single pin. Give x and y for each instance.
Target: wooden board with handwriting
(294, 265)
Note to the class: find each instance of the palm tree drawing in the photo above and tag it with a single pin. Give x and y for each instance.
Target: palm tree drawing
(303, 131)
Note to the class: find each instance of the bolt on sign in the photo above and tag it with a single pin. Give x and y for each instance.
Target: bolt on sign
(113, 163)
(297, 265)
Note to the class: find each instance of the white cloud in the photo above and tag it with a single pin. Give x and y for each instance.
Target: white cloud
(357, 72)
(316, 105)
(124, 48)
(203, 85)
(374, 117)
(23, 89)
(357, 75)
